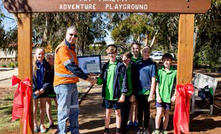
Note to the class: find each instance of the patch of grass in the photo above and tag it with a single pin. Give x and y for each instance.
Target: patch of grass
(6, 125)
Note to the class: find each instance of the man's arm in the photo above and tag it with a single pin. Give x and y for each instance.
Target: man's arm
(69, 64)
(68, 61)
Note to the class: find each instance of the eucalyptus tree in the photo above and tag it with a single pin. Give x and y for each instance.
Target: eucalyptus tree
(208, 41)
(167, 27)
(8, 39)
(2, 34)
(50, 28)
(137, 26)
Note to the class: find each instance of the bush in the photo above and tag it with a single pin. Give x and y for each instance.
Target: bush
(12, 65)
(3, 65)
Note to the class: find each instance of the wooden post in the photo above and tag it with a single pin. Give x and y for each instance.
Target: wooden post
(185, 49)
(25, 57)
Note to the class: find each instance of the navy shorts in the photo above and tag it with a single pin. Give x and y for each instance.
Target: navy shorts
(166, 106)
(111, 104)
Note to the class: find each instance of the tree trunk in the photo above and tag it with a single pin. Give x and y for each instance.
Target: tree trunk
(45, 34)
(194, 39)
(170, 45)
(146, 40)
(153, 40)
(138, 38)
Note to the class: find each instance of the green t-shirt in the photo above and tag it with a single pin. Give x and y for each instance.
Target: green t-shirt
(111, 69)
(166, 82)
(130, 87)
(136, 59)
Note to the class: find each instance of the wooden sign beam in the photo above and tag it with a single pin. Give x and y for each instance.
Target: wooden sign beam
(160, 6)
(25, 57)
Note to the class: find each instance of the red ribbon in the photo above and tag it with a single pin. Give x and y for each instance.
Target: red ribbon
(21, 102)
(182, 108)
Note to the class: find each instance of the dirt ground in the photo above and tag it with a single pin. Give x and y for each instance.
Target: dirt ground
(91, 118)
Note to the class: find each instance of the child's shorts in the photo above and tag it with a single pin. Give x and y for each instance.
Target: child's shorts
(164, 105)
(111, 104)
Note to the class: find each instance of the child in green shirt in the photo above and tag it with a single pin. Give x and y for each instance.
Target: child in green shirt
(114, 80)
(165, 82)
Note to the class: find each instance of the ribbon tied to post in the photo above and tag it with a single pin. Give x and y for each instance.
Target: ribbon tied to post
(182, 108)
(21, 102)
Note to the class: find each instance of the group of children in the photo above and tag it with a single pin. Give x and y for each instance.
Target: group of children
(129, 85)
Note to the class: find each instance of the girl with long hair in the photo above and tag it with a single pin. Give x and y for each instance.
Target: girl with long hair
(41, 81)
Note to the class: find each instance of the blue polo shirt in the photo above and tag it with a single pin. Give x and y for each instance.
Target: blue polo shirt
(145, 70)
(40, 74)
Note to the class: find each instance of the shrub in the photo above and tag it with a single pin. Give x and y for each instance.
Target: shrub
(12, 65)
(3, 65)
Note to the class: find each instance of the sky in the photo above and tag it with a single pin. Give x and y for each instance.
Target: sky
(9, 20)
(10, 23)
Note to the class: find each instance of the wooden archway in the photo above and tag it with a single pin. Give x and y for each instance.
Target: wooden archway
(187, 8)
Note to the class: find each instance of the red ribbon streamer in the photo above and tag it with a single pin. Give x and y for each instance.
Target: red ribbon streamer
(182, 108)
(21, 102)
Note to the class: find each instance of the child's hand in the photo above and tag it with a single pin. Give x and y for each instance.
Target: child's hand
(150, 98)
(132, 98)
(42, 90)
(122, 98)
(173, 98)
(159, 100)
(37, 92)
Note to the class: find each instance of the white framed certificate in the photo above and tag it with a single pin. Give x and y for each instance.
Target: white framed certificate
(90, 64)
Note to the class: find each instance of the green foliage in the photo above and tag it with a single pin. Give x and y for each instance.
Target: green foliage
(2, 34)
(137, 26)
(12, 65)
(50, 28)
(115, 18)
(3, 65)
(7, 37)
(143, 27)
(208, 45)
(167, 27)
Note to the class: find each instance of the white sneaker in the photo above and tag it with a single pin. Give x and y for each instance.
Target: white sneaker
(42, 128)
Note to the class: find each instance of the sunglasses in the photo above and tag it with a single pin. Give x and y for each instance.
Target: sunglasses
(75, 35)
(111, 53)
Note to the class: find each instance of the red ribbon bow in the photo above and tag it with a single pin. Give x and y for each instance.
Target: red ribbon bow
(21, 102)
(182, 108)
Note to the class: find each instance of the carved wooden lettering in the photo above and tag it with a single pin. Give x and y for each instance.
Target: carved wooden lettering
(161, 6)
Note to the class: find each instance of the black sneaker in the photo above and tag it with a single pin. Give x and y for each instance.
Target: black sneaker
(51, 125)
(106, 130)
